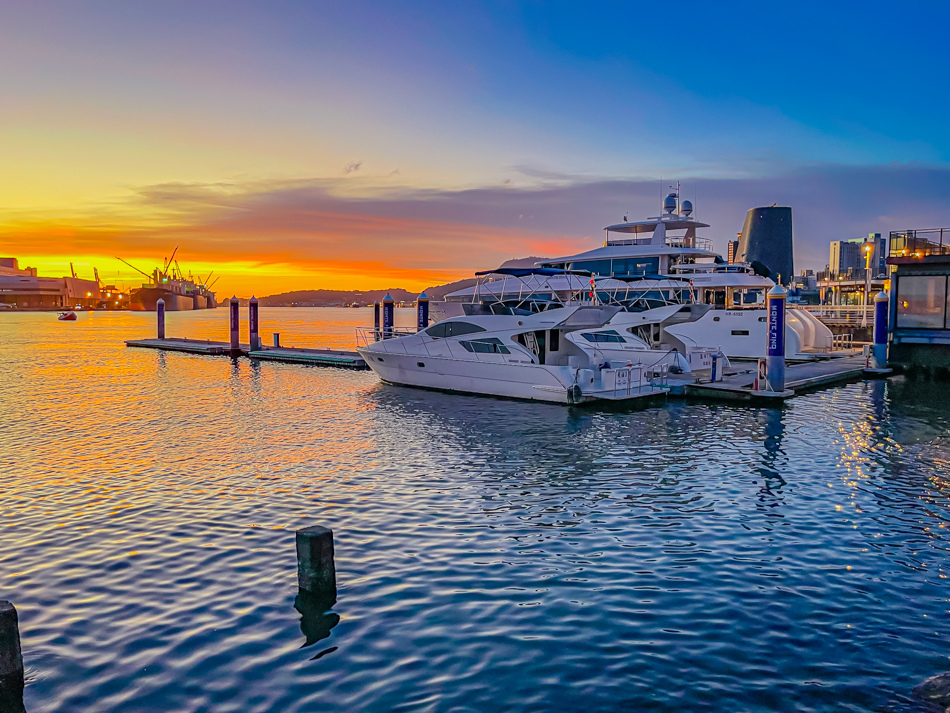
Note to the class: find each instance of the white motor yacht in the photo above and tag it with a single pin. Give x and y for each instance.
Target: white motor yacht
(630, 269)
(565, 355)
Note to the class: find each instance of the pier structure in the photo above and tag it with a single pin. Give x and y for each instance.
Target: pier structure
(736, 383)
(255, 350)
(919, 312)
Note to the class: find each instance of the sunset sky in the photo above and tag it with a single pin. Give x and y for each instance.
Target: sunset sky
(296, 145)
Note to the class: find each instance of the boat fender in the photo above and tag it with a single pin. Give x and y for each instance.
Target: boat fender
(574, 394)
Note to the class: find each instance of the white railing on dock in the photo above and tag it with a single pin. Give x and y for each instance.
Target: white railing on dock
(842, 341)
(367, 335)
(840, 314)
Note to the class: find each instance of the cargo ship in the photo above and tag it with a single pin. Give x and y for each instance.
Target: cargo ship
(170, 284)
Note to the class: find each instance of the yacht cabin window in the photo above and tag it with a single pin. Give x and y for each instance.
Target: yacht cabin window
(487, 345)
(605, 336)
(452, 329)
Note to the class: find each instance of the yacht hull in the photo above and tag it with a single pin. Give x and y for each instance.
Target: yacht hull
(516, 381)
(742, 334)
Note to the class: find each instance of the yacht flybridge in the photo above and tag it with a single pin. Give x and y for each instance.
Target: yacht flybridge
(645, 264)
(570, 354)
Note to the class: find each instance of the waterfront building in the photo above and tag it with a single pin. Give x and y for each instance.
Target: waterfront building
(766, 238)
(732, 247)
(844, 255)
(856, 271)
(24, 289)
(919, 317)
(804, 289)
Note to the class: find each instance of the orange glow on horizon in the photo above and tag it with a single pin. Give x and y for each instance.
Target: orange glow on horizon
(345, 252)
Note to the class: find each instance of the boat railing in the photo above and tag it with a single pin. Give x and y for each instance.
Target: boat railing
(368, 335)
(695, 243)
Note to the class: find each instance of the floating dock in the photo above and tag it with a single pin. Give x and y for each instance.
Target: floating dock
(288, 355)
(188, 346)
(799, 378)
(317, 357)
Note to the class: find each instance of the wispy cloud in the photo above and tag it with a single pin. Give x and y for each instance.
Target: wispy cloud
(363, 232)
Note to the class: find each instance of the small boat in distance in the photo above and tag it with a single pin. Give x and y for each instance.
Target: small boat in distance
(67, 316)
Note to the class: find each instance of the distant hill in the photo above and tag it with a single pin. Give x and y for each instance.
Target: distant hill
(334, 298)
(344, 298)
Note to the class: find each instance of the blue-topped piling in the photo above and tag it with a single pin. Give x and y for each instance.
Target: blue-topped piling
(880, 330)
(253, 324)
(775, 352)
(235, 326)
(422, 312)
(160, 313)
(388, 316)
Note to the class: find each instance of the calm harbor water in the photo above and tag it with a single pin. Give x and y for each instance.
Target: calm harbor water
(491, 555)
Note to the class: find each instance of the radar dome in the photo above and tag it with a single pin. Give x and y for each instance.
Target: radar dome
(687, 208)
(669, 205)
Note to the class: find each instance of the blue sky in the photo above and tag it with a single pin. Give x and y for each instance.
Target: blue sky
(428, 104)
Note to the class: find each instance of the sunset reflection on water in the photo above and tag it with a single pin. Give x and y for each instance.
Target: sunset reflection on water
(491, 554)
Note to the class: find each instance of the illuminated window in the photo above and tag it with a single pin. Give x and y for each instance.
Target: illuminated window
(921, 301)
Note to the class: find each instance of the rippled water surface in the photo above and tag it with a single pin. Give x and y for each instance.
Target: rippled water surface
(491, 555)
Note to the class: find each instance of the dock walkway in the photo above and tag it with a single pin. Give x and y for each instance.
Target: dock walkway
(289, 355)
(799, 378)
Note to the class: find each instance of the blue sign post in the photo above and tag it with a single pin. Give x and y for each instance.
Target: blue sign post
(422, 312)
(775, 352)
(253, 324)
(160, 309)
(388, 316)
(880, 330)
(234, 306)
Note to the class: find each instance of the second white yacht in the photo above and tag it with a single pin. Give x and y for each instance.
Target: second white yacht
(633, 269)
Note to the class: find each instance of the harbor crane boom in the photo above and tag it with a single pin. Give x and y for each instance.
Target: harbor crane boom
(170, 260)
(133, 267)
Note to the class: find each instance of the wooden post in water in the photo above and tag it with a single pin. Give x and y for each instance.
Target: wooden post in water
(316, 572)
(253, 324)
(276, 340)
(11, 660)
(376, 321)
(160, 312)
(235, 327)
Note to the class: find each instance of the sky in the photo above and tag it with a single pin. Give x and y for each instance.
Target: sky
(361, 145)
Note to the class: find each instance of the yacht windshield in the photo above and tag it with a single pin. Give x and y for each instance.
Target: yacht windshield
(605, 336)
(453, 329)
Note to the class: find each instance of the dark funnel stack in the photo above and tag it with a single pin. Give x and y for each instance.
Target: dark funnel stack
(767, 238)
